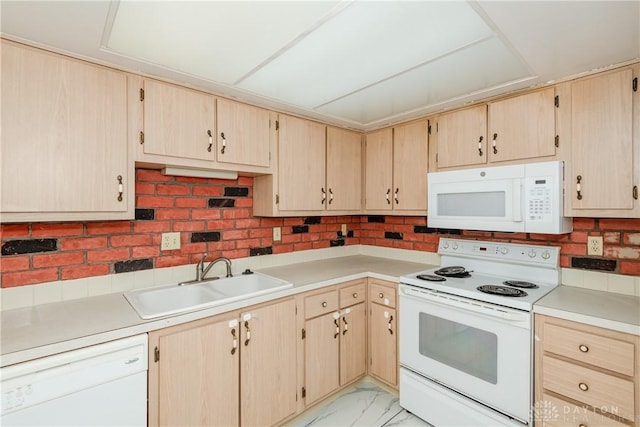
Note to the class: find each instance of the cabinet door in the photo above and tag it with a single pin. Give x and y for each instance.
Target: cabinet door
(268, 364)
(243, 134)
(64, 138)
(353, 343)
(383, 345)
(522, 127)
(344, 170)
(321, 346)
(602, 142)
(301, 169)
(410, 166)
(378, 167)
(462, 137)
(178, 122)
(195, 381)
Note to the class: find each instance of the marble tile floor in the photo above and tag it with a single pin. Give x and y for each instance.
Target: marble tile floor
(363, 404)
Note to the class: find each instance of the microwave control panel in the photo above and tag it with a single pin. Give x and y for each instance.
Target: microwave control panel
(538, 199)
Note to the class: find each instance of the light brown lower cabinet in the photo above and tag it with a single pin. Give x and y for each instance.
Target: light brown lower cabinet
(383, 331)
(333, 339)
(585, 375)
(233, 369)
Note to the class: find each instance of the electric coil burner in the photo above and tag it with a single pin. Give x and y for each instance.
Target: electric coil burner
(453, 271)
(504, 291)
(520, 284)
(431, 278)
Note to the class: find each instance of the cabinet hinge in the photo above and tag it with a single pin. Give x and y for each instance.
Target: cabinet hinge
(277, 199)
(556, 101)
(304, 333)
(557, 142)
(635, 192)
(436, 157)
(635, 84)
(304, 392)
(141, 137)
(277, 125)
(141, 94)
(156, 354)
(429, 128)
(269, 155)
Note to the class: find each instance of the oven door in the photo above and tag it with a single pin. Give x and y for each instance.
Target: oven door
(480, 350)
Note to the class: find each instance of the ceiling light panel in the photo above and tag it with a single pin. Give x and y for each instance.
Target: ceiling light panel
(366, 43)
(219, 41)
(474, 69)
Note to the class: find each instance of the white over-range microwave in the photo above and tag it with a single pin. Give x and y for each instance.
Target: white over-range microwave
(516, 198)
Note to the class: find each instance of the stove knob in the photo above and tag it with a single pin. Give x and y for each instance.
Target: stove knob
(445, 245)
(455, 246)
(546, 255)
(532, 254)
(504, 250)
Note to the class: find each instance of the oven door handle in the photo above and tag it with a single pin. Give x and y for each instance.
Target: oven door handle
(447, 300)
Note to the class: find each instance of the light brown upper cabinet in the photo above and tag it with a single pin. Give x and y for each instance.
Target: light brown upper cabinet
(396, 165)
(318, 171)
(520, 128)
(243, 135)
(344, 170)
(64, 151)
(178, 122)
(602, 176)
(173, 125)
(462, 137)
(301, 172)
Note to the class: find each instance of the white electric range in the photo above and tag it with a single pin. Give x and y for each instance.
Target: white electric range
(466, 332)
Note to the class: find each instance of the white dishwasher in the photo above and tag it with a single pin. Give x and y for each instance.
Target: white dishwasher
(101, 385)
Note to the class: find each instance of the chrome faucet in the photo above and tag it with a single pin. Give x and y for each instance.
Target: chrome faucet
(201, 270)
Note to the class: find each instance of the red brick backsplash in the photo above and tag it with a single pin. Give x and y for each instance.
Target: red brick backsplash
(215, 216)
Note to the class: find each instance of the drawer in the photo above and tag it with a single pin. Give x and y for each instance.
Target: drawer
(353, 294)
(607, 353)
(315, 305)
(588, 386)
(556, 412)
(381, 294)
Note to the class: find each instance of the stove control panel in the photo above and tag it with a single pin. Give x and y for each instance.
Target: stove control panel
(529, 254)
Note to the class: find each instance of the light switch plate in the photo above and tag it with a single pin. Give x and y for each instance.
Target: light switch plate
(344, 230)
(170, 241)
(277, 234)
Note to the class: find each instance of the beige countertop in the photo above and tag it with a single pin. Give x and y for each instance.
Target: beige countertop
(42, 330)
(604, 309)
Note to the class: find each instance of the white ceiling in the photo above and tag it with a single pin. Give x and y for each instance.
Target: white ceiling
(361, 64)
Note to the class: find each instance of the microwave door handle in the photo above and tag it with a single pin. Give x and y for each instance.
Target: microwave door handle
(517, 200)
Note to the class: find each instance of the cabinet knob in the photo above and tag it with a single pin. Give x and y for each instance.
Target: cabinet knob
(380, 295)
(582, 425)
(583, 386)
(583, 348)
(324, 303)
(355, 295)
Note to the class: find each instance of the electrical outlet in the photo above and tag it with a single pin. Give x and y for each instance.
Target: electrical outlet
(277, 234)
(344, 230)
(170, 241)
(594, 245)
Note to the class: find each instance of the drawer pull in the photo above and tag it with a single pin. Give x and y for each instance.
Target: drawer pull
(380, 295)
(583, 386)
(582, 425)
(583, 348)
(324, 303)
(355, 295)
